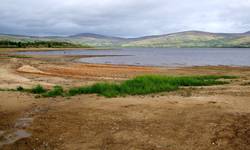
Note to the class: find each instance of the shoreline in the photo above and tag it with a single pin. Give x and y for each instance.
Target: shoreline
(207, 114)
(68, 66)
(174, 65)
(74, 58)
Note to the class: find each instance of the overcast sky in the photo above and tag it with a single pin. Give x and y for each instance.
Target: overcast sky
(127, 18)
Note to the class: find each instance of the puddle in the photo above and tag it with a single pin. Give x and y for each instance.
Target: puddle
(12, 137)
(19, 132)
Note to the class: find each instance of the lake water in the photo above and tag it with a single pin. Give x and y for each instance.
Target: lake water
(161, 56)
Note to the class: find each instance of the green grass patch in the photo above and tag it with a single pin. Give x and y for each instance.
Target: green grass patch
(105, 89)
(147, 84)
(141, 85)
(19, 56)
(56, 91)
(38, 90)
(20, 88)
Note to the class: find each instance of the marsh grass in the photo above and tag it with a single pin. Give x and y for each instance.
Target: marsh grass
(37, 90)
(20, 88)
(19, 56)
(56, 91)
(148, 84)
(141, 85)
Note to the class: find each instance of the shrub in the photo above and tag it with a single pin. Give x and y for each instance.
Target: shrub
(38, 90)
(56, 91)
(20, 88)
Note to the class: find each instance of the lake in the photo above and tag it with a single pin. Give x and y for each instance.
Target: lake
(161, 56)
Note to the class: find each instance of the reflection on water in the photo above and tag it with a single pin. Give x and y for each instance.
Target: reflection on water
(162, 56)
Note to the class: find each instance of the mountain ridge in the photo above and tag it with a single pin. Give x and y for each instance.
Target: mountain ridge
(179, 39)
(95, 35)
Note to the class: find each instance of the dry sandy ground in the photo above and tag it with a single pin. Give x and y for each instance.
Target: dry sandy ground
(200, 118)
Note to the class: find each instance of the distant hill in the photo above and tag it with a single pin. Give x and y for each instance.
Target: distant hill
(247, 32)
(92, 35)
(187, 39)
(96, 40)
(191, 39)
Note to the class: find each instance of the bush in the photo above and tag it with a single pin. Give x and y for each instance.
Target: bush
(56, 91)
(38, 90)
(20, 88)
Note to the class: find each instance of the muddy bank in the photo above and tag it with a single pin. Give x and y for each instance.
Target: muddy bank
(159, 122)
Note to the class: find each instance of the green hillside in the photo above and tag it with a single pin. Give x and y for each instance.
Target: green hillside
(193, 39)
(189, 39)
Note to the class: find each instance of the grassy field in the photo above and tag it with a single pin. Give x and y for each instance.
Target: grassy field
(141, 85)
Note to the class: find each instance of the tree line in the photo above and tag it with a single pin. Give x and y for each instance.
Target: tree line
(40, 44)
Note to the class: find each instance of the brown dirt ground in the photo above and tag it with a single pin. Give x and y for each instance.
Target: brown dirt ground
(216, 117)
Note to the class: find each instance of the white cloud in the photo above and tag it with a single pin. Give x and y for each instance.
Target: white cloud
(122, 18)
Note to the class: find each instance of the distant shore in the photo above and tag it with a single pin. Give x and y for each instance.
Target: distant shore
(44, 49)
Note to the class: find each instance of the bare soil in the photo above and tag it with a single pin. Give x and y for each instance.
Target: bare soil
(202, 118)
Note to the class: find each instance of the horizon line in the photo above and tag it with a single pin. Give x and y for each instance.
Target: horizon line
(71, 35)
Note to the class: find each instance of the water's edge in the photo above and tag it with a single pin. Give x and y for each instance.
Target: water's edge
(160, 57)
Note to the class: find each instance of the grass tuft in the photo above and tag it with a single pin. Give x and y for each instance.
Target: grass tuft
(56, 91)
(105, 89)
(38, 90)
(20, 88)
(19, 56)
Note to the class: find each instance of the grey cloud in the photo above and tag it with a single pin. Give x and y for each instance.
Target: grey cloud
(128, 18)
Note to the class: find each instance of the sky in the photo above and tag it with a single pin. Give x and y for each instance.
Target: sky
(125, 18)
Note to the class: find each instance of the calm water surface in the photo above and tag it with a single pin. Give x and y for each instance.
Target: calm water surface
(161, 56)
